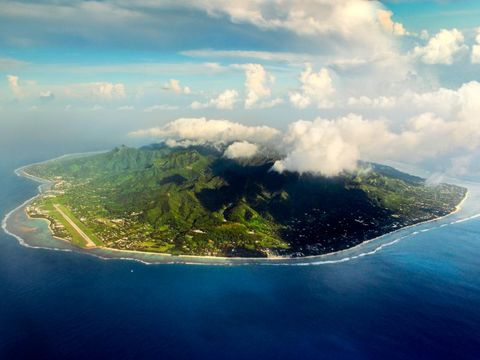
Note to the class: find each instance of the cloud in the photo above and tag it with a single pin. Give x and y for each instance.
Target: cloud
(160, 107)
(446, 103)
(96, 107)
(395, 28)
(367, 102)
(344, 18)
(442, 48)
(241, 150)
(13, 83)
(46, 95)
(126, 108)
(347, 28)
(108, 91)
(295, 58)
(267, 104)
(175, 86)
(475, 56)
(225, 100)
(444, 126)
(256, 81)
(98, 90)
(330, 146)
(277, 56)
(315, 88)
(346, 34)
(323, 146)
(203, 130)
(196, 105)
(340, 30)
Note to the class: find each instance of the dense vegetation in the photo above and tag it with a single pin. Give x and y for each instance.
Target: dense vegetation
(194, 201)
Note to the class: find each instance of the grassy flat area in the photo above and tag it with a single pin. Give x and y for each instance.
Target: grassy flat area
(77, 239)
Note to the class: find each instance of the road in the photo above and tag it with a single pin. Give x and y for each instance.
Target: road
(89, 241)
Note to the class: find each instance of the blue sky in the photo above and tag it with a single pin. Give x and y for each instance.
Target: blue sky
(435, 15)
(390, 69)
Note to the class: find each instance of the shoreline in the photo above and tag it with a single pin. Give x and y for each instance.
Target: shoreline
(22, 173)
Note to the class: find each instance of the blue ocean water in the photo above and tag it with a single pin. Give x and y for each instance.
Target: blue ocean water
(416, 299)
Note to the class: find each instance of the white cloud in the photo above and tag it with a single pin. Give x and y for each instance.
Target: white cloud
(424, 34)
(328, 147)
(96, 107)
(336, 31)
(316, 88)
(345, 18)
(13, 83)
(299, 100)
(196, 105)
(367, 102)
(225, 100)
(126, 108)
(203, 130)
(442, 125)
(347, 33)
(256, 81)
(46, 95)
(250, 54)
(442, 48)
(323, 146)
(241, 150)
(267, 104)
(392, 27)
(475, 56)
(446, 103)
(95, 91)
(109, 91)
(462, 165)
(175, 86)
(160, 107)
(326, 59)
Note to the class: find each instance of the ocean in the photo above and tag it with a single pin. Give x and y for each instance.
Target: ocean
(415, 297)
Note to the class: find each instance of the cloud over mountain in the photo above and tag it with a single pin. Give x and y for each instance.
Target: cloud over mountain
(204, 130)
(241, 150)
(328, 146)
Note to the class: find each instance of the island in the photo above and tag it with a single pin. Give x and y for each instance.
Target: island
(194, 201)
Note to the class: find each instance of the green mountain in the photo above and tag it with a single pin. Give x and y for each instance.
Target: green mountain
(194, 201)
